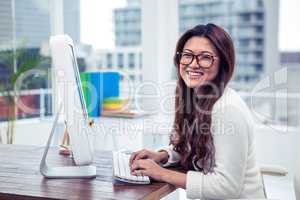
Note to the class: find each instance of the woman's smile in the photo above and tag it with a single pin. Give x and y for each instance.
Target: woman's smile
(194, 74)
(195, 67)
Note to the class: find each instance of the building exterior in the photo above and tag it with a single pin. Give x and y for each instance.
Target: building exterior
(72, 19)
(28, 24)
(6, 25)
(127, 22)
(126, 60)
(290, 58)
(29, 21)
(253, 26)
(291, 61)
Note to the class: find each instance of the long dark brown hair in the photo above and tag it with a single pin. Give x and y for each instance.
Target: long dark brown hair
(192, 124)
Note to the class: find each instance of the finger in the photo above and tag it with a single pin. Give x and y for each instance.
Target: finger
(141, 155)
(133, 155)
(140, 164)
(138, 155)
(136, 165)
(140, 172)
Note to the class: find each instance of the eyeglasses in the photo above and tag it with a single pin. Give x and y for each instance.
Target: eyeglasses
(204, 60)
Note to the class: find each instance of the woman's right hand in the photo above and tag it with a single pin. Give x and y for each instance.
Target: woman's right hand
(158, 157)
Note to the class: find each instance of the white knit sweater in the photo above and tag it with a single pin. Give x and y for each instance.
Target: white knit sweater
(236, 174)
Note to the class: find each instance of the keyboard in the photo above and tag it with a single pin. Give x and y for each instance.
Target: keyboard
(122, 169)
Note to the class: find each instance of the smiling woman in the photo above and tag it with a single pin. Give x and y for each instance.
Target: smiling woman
(189, 67)
(213, 42)
(212, 136)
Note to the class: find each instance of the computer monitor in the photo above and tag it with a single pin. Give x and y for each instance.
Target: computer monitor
(67, 92)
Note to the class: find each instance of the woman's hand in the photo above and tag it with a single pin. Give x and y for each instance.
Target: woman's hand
(147, 167)
(157, 157)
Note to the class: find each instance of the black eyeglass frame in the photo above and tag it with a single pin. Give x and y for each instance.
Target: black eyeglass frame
(197, 59)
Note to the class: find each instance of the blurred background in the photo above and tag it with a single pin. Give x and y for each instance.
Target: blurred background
(137, 39)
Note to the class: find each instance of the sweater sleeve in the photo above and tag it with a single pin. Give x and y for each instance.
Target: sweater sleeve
(174, 157)
(230, 129)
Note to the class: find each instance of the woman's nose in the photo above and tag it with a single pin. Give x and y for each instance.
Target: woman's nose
(194, 64)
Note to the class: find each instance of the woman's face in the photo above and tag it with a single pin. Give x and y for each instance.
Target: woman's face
(206, 69)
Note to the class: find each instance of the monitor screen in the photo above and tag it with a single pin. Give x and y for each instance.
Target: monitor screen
(78, 83)
(67, 89)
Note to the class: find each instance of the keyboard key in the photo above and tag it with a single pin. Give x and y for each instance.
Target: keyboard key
(121, 166)
(115, 162)
(122, 170)
(145, 178)
(133, 177)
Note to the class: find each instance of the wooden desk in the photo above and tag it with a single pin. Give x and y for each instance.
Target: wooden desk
(20, 178)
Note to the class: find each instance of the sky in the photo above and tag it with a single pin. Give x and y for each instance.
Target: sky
(97, 24)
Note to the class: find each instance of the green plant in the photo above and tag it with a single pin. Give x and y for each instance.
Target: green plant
(14, 64)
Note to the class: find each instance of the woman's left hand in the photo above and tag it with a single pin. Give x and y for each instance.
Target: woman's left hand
(148, 167)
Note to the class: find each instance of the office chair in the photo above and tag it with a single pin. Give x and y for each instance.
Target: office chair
(272, 170)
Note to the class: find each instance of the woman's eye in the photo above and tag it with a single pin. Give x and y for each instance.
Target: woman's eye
(187, 55)
(206, 57)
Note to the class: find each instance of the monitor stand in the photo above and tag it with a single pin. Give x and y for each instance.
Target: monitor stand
(85, 171)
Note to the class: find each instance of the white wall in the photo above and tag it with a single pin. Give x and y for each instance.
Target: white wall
(159, 37)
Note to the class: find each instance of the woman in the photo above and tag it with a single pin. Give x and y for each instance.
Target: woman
(213, 129)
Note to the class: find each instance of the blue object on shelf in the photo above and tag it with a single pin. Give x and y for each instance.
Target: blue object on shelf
(104, 85)
(111, 84)
(96, 94)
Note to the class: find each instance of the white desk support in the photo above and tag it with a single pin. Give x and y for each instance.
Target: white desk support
(86, 171)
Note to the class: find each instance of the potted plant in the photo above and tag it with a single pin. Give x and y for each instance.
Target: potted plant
(13, 64)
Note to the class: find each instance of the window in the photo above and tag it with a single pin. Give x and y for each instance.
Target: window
(244, 43)
(259, 29)
(259, 67)
(259, 16)
(246, 17)
(141, 60)
(247, 78)
(21, 42)
(120, 61)
(109, 60)
(131, 60)
(259, 55)
(260, 3)
(132, 77)
(259, 42)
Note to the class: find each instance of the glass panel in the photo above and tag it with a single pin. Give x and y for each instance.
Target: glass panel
(131, 58)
